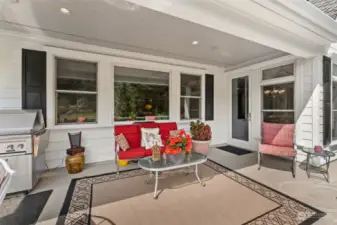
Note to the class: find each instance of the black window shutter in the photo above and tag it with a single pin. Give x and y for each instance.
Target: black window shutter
(34, 80)
(209, 97)
(326, 100)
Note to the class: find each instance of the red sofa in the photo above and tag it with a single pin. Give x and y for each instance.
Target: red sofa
(133, 135)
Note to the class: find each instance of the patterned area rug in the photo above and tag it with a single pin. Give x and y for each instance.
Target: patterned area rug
(227, 198)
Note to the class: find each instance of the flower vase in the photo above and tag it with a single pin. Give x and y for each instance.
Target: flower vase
(175, 159)
(150, 117)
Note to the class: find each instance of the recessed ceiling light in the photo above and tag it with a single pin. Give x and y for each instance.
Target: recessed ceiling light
(65, 11)
(195, 42)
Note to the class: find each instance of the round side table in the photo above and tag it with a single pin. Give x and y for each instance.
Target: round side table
(325, 154)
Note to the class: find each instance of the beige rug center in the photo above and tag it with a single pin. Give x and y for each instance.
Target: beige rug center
(182, 200)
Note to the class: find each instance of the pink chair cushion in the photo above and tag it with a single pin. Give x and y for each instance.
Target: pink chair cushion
(278, 134)
(277, 150)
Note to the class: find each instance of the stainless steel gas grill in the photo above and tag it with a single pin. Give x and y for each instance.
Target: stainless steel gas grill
(23, 140)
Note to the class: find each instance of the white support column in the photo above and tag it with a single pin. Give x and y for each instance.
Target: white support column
(317, 107)
(50, 90)
(317, 101)
(105, 95)
(256, 107)
(203, 96)
(174, 96)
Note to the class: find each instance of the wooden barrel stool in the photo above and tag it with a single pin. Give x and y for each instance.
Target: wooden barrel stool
(75, 163)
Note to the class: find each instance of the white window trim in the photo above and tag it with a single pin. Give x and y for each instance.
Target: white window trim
(136, 64)
(275, 81)
(75, 92)
(278, 110)
(281, 80)
(52, 54)
(201, 97)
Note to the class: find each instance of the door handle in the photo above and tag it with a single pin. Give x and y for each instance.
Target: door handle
(249, 116)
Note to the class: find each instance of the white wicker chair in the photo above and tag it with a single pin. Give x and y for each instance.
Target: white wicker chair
(6, 174)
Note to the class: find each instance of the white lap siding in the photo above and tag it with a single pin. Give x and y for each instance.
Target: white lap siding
(98, 143)
(10, 75)
(309, 124)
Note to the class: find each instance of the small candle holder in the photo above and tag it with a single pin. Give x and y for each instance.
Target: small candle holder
(156, 153)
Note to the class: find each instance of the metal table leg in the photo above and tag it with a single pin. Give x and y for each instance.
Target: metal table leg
(155, 196)
(150, 178)
(196, 174)
(307, 166)
(327, 168)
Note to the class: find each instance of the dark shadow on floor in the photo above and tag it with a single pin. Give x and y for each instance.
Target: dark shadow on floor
(317, 173)
(276, 162)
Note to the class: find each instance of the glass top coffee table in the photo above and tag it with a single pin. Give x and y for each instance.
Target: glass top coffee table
(325, 154)
(172, 162)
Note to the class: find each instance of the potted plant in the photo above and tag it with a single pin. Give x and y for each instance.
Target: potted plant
(201, 136)
(132, 116)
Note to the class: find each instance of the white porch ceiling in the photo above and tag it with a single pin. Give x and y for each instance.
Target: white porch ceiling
(122, 25)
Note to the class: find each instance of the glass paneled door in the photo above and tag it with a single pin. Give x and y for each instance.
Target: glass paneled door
(240, 112)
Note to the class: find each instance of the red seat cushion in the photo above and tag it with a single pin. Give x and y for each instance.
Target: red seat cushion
(164, 130)
(131, 133)
(132, 153)
(278, 134)
(148, 152)
(277, 150)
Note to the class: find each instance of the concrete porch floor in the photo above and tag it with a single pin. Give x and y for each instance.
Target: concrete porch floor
(275, 173)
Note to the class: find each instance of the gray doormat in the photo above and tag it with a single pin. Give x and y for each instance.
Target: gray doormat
(23, 210)
(234, 150)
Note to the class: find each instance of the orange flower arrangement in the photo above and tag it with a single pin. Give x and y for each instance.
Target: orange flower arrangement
(176, 144)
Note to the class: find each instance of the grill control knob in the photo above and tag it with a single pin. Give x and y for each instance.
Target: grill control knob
(10, 148)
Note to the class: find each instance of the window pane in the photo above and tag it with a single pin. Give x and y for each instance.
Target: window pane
(279, 96)
(240, 105)
(189, 108)
(280, 71)
(334, 94)
(278, 117)
(334, 70)
(76, 75)
(75, 108)
(141, 94)
(190, 85)
(334, 126)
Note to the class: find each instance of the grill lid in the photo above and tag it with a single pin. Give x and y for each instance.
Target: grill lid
(17, 121)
